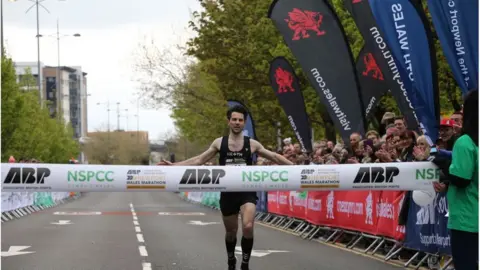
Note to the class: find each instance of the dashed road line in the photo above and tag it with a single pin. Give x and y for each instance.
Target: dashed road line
(143, 251)
(146, 266)
(141, 248)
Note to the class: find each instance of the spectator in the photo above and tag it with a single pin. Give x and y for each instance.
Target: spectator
(447, 134)
(457, 118)
(400, 124)
(373, 135)
(330, 145)
(462, 189)
(421, 152)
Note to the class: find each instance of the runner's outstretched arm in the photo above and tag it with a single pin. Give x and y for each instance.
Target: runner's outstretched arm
(272, 156)
(197, 160)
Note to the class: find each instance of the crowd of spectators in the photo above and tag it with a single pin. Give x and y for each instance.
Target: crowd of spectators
(395, 144)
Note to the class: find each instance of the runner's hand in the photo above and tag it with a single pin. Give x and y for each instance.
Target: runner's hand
(165, 162)
(439, 187)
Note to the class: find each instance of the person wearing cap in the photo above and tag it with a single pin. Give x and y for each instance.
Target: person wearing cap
(447, 133)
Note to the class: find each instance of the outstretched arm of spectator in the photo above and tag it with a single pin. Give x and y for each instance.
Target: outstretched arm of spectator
(272, 156)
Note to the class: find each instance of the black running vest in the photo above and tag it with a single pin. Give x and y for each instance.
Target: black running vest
(233, 158)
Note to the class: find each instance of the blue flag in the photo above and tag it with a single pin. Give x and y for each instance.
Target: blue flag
(407, 38)
(456, 24)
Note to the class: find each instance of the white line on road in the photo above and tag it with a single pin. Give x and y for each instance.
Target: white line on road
(143, 251)
(135, 222)
(146, 266)
(137, 229)
(135, 218)
(140, 238)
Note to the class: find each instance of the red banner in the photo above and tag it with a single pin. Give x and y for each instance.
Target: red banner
(373, 212)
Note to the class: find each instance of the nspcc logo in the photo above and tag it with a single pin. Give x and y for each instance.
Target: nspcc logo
(261, 176)
(87, 176)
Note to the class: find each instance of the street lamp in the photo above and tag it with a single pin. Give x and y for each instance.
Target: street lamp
(37, 4)
(59, 79)
(108, 110)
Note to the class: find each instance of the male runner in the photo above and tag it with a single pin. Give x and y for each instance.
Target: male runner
(236, 150)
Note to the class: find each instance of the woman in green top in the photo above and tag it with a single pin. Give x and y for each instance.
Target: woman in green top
(462, 193)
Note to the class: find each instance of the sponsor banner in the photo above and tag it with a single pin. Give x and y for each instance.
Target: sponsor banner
(455, 23)
(147, 179)
(413, 50)
(272, 202)
(249, 129)
(427, 226)
(371, 79)
(316, 38)
(34, 177)
(285, 84)
(262, 203)
(373, 212)
(384, 66)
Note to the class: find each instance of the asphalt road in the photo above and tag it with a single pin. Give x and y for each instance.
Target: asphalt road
(130, 234)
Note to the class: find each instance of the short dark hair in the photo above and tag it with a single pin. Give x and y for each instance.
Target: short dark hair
(237, 109)
(399, 118)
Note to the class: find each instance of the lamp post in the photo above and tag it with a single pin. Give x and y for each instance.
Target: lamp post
(57, 35)
(37, 4)
(108, 110)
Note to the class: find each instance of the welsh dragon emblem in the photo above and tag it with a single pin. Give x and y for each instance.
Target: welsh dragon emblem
(303, 21)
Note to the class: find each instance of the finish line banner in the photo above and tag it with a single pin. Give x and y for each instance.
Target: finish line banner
(120, 178)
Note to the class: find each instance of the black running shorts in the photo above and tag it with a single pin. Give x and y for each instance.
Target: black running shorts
(230, 202)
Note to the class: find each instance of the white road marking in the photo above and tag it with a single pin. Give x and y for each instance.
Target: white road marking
(16, 250)
(146, 266)
(143, 251)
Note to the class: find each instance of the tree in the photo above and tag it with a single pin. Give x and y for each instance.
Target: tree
(115, 148)
(27, 130)
(232, 53)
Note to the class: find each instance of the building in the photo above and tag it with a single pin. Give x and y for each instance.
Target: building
(72, 94)
(21, 69)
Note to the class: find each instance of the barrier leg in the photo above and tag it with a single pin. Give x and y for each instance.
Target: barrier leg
(273, 220)
(279, 222)
(356, 241)
(371, 245)
(304, 230)
(298, 226)
(421, 261)
(355, 237)
(377, 247)
(332, 235)
(447, 264)
(338, 236)
(302, 225)
(309, 232)
(287, 226)
(314, 233)
(267, 217)
(411, 259)
(388, 257)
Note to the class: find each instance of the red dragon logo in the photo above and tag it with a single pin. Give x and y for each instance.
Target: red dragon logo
(371, 66)
(303, 21)
(284, 80)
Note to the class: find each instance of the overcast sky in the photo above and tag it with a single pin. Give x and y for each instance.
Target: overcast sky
(110, 31)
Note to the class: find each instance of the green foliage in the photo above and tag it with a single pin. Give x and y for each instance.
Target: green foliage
(233, 45)
(27, 130)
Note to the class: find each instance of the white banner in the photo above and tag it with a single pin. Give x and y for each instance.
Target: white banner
(107, 178)
(195, 196)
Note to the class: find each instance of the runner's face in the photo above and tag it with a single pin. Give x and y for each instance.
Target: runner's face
(236, 123)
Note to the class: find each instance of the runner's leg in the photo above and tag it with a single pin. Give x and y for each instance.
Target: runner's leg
(248, 219)
(230, 212)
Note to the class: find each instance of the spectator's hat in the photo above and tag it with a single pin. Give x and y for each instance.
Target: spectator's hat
(387, 116)
(446, 122)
